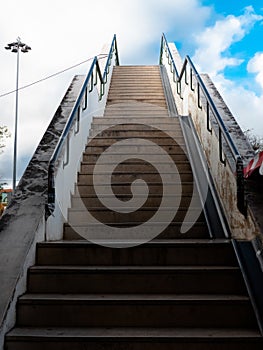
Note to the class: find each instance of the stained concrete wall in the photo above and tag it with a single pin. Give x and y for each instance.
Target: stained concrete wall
(223, 175)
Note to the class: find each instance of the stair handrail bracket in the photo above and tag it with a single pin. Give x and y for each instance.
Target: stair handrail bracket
(66, 158)
(196, 96)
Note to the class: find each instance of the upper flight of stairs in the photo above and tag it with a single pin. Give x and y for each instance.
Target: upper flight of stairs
(178, 291)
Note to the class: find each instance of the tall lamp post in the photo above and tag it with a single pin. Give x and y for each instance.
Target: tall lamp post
(16, 47)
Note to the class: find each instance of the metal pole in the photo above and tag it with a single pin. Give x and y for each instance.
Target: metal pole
(16, 119)
(15, 47)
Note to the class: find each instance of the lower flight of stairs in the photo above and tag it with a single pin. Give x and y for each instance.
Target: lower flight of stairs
(178, 291)
(165, 294)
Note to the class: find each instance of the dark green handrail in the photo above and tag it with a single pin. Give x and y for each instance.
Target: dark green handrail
(87, 87)
(223, 132)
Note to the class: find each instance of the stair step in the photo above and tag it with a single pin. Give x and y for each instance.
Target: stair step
(153, 131)
(141, 86)
(134, 106)
(161, 140)
(82, 217)
(134, 96)
(114, 158)
(127, 179)
(180, 280)
(174, 135)
(135, 114)
(133, 310)
(152, 201)
(157, 252)
(134, 168)
(100, 232)
(161, 104)
(184, 188)
(136, 76)
(164, 127)
(153, 120)
(134, 338)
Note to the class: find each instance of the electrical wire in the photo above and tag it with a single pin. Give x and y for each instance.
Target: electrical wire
(100, 56)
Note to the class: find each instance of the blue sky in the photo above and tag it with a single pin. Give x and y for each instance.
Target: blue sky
(224, 39)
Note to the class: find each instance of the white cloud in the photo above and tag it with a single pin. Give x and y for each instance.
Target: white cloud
(213, 43)
(255, 65)
(65, 32)
(245, 105)
(211, 56)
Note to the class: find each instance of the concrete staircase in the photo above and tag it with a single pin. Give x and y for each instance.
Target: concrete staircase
(178, 291)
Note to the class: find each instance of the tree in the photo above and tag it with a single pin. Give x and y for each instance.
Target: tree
(4, 134)
(255, 141)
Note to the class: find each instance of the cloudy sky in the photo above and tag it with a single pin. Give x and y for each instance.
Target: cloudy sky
(224, 39)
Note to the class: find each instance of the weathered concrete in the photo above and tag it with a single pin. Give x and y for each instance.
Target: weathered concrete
(23, 223)
(223, 175)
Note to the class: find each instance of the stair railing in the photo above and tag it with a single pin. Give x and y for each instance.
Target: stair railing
(188, 74)
(90, 100)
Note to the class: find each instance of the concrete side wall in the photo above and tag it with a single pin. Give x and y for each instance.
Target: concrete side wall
(223, 175)
(23, 223)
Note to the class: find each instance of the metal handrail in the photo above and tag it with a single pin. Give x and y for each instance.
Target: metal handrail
(74, 114)
(223, 132)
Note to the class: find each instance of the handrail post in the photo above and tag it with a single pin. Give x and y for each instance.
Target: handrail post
(241, 200)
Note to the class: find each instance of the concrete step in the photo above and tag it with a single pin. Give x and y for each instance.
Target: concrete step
(136, 280)
(134, 147)
(116, 132)
(133, 338)
(170, 148)
(134, 114)
(134, 76)
(132, 95)
(136, 107)
(126, 125)
(155, 102)
(161, 139)
(186, 188)
(80, 216)
(114, 158)
(127, 179)
(70, 310)
(152, 201)
(135, 167)
(141, 109)
(149, 98)
(100, 232)
(158, 253)
(153, 121)
(169, 129)
(141, 86)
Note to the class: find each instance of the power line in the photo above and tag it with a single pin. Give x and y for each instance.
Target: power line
(100, 56)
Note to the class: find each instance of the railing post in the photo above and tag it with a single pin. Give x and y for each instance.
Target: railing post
(199, 96)
(208, 117)
(241, 201)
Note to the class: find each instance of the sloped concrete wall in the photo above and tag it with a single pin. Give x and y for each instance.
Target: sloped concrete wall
(23, 223)
(223, 175)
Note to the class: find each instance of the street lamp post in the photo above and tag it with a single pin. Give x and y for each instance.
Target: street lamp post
(16, 47)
